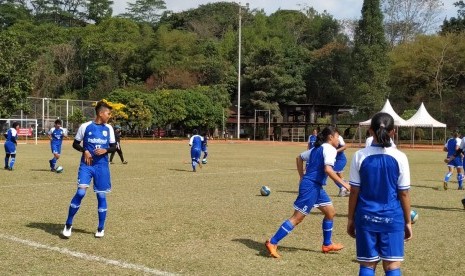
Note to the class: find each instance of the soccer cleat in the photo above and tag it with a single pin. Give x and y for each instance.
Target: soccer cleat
(445, 185)
(463, 203)
(272, 249)
(343, 192)
(331, 247)
(125, 162)
(6, 167)
(10, 168)
(67, 231)
(99, 234)
(460, 188)
(53, 170)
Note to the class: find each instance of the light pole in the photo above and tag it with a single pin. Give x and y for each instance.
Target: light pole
(239, 72)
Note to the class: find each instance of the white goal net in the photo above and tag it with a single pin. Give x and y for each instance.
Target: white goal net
(27, 132)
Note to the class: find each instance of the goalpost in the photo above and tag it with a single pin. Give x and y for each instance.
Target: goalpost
(27, 132)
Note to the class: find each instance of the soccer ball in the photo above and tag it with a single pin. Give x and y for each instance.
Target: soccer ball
(59, 169)
(413, 216)
(265, 191)
(204, 161)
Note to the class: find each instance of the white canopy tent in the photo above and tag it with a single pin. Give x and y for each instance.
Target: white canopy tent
(387, 108)
(423, 119)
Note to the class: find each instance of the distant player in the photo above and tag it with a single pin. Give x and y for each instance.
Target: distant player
(56, 135)
(10, 146)
(196, 149)
(312, 139)
(98, 140)
(118, 146)
(339, 165)
(205, 147)
(320, 161)
(379, 201)
(451, 146)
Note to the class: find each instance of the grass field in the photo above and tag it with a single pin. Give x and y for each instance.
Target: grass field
(164, 219)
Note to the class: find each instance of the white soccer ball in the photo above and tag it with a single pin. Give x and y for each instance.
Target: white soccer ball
(413, 216)
(265, 191)
(204, 161)
(59, 169)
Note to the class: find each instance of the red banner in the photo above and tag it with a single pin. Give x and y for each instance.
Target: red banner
(25, 132)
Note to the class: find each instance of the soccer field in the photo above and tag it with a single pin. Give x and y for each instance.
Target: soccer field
(164, 219)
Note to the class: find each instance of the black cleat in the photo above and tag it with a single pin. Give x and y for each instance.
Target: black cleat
(463, 203)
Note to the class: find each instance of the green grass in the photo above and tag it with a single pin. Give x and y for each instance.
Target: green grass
(213, 222)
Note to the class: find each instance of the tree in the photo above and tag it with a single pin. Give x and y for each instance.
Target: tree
(370, 62)
(405, 19)
(76, 118)
(455, 24)
(99, 10)
(145, 11)
(139, 116)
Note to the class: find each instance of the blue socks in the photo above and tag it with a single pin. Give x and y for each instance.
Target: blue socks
(327, 226)
(75, 204)
(282, 232)
(53, 163)
(366, 271)
(12, 162)
(6, 161)
(102, 210)
(447, 177)
(460, 180)
(394, 272)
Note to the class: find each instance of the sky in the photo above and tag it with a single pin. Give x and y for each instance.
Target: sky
(340, 9)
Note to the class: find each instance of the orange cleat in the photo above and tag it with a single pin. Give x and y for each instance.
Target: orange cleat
(272, 249)
(331, 247)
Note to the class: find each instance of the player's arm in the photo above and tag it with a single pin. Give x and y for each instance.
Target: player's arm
(404, 198)
(77, 146)
(353, 198)
(300, 166)
(333, 175)
(112, 148)
(457, 153)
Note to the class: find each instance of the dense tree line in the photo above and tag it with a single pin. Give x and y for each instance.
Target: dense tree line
(180, 69)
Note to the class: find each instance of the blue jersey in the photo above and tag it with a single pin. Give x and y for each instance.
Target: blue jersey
(317, 159)
(204, 144)
(57, 135)
(380, 173)
(196, 142)
(311, 141)
(11, 135)
(96, 136)
(452, 145)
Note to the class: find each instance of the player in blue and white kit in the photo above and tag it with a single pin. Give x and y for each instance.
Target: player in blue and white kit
(339, 165)
(56, 135)
(312, 139)
(379, 201)
(196, 149)
(10, 146)
(451, 146)
(320, 161)
(205, 148)
(98, 140)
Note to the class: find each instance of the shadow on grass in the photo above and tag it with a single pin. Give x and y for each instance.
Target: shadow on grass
(437, 208)
(40, 170)
(54, 228)
(180, 170)
(260, 247)
(288, 192)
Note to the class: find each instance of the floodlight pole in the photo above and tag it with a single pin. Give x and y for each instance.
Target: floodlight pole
(239, 75)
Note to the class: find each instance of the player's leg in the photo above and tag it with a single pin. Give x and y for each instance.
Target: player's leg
(56, 150)
(102, 186)
(448, 175)
(12, 161)
(84, 178)
(460, 177)
(367, 252)
(120, 153)
(102, 213)
(7, 160)
(391, 246)
(325, 205)
(205, 154)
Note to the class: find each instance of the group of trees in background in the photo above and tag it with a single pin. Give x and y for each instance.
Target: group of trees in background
(180, 69)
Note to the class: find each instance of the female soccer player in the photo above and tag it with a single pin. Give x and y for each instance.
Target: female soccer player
(56, 135)
(10, 146)
(451, 146)
(339, 165)
(379, 201)
(320, 162)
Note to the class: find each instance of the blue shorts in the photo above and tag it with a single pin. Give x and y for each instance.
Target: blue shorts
(100, 173)
(195, 154)
(340, 164)
(456, 163)
(56, 148)
(373, 246)
(10, 147)
(310, 195)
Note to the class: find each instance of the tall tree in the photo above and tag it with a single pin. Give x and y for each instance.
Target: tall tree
(98, 10)
(145, 11)
(405, 19)
(370, 61)
(455, 24)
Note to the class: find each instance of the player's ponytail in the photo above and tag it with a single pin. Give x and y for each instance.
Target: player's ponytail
(382, 124)
(323, 135)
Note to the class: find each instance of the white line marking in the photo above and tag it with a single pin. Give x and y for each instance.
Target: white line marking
(88, 257)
